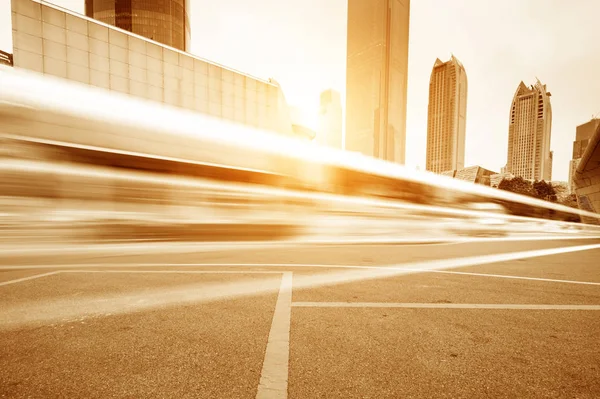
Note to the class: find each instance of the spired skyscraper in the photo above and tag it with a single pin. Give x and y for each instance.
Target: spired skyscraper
(376, 80)
(529, 130)
(165, 21)
(446, 116)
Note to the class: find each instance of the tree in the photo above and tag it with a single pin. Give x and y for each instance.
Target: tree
(517, 185)
(544, 190)
(571, 201)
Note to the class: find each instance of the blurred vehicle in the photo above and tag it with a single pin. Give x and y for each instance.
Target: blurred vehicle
(108, 154)
(486, 220)
(491, 222)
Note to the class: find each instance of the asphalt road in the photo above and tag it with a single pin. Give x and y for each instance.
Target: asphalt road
(487, 318)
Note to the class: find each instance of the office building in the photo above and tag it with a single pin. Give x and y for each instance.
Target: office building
(530, 125)
(446, 116)
(583, 134)
(329, 130)
(164, 21)
(57, 42)
(376, 78)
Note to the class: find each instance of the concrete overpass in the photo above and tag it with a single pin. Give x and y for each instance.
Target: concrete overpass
(587, 176)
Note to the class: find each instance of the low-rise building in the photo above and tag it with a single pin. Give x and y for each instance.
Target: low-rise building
(473, 174)
(58, 42)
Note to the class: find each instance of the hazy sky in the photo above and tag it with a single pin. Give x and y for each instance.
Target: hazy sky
(302, 44)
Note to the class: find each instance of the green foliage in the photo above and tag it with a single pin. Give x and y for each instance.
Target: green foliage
(517, 185)
(570, 201)
(538, 189)
(544, 190)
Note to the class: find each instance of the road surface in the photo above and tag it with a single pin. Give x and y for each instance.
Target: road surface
(501, 318)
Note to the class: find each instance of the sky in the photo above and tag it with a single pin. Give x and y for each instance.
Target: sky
(302, 44)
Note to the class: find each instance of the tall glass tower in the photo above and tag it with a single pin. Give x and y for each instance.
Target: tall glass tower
(165, 21)
(376, 78)
(447, 116)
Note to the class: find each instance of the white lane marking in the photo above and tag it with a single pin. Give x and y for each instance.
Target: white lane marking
(320, 266)
(525, 238)
(434, 266)
(140, 265)
(549, 280)
(117, 303)
(500, 306)
(174, 271)
(162, 248)
(20, 280)
(329, 279)
(274, 375)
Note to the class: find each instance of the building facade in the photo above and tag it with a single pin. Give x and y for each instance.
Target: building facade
(529, 130)
(376, 78)
(329, 130)
(583, 134)
(473, 174)
(164, 21)
(446, 116)
(57, 42)
(587, 175)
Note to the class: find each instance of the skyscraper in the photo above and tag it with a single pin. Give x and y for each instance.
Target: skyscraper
(529, 129)
(446, 116)
(329, 131)
(583, 134)
(165, 21)
(376, 80)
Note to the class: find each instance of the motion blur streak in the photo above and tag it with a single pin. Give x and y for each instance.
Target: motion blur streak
(80, 165)
(65, 310)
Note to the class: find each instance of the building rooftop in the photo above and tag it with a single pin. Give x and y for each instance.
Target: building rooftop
(82, 16)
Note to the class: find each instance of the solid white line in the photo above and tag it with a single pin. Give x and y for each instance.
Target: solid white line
(524, 238)
(500, 306)
(374, 272)
(320, 280)
(65, 309)
(174, 271)
(549, 280)
(320, 266)
(19, 280)
(274, 375)
(435, 266)
(139, 265)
